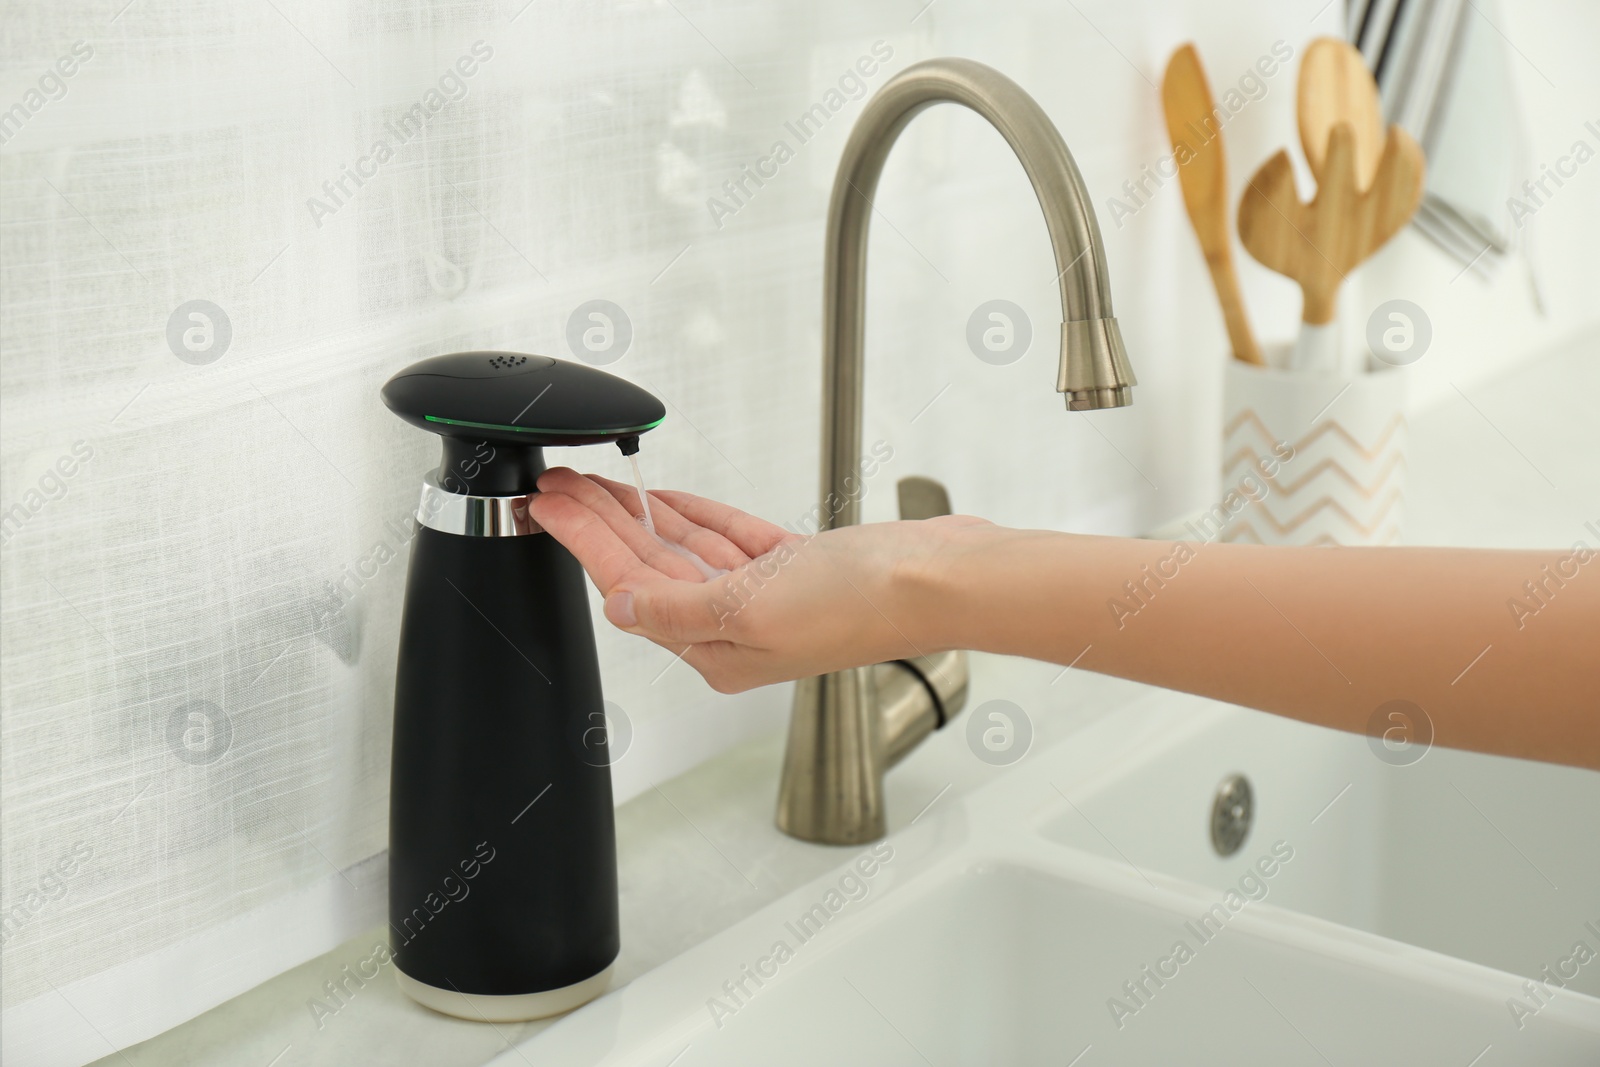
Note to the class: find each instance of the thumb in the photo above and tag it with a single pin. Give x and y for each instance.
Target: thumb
(673, 611)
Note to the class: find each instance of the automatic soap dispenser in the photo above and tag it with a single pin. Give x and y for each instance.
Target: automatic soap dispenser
(502, 846)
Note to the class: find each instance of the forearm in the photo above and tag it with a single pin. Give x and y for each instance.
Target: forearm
(1327, 636)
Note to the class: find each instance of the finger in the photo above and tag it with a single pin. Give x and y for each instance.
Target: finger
(652, 552)
(604, 557)
(709, 545)
(754, 537)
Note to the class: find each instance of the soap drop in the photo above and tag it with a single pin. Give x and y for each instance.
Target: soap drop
(644, 498)
(707, 571)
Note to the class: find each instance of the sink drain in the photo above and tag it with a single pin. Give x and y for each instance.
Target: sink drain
(1231, 813)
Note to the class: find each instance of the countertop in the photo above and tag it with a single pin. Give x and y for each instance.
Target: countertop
(1509, 463)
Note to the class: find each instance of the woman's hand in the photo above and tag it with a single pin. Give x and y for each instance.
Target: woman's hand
(788, 606)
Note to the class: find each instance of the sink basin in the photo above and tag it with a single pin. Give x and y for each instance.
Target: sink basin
(1473, 856)
(1073, 912)
(1006, 963)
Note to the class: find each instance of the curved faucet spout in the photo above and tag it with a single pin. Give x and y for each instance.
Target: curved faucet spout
(849, 727)
(1094, 370)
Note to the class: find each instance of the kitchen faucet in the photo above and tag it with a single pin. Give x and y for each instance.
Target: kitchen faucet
(849, 727)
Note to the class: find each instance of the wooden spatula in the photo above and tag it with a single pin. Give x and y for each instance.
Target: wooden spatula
(1318, 243)
(1203, 173)
(1335, 86)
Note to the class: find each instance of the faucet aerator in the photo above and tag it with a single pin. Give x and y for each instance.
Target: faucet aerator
(1094, 371)
(1096, 399)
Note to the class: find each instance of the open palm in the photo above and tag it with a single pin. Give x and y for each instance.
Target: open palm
(745, 602)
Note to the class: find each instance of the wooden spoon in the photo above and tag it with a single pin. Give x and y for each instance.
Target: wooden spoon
(1318, 243)
(1196, 135)
(1335, 86)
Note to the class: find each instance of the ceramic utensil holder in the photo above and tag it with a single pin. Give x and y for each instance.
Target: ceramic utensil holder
(1312, 459)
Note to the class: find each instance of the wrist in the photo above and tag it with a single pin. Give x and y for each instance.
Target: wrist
(938, 587)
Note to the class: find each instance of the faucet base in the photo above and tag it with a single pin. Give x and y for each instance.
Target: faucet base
(832, 787)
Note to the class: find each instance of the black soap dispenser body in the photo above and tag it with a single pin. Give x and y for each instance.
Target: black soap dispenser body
(502, 847)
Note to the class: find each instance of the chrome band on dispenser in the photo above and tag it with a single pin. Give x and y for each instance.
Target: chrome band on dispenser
(474, 516)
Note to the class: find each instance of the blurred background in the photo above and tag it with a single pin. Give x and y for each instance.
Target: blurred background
(208, 267)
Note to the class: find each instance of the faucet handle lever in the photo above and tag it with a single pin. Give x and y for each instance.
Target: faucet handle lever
(922, 498)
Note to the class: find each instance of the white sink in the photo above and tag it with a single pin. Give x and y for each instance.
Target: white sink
(1486, 859)
(1378, 923)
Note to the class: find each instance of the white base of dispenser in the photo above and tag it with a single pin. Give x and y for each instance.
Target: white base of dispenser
(514, 1008)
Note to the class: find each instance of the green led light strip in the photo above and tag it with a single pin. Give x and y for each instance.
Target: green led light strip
(535, 429)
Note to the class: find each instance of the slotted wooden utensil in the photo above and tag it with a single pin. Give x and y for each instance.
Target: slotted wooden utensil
(1196, 137)
(1318, 243)
(1336, 86)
